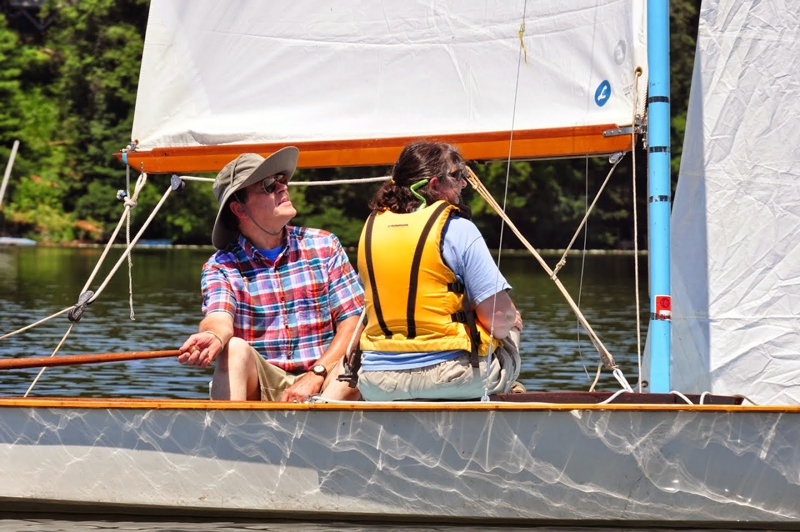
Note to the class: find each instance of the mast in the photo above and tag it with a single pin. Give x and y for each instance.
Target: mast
(659, 193)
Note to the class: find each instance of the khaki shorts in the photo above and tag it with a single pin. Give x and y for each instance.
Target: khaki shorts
(452, 379)
(273, 380)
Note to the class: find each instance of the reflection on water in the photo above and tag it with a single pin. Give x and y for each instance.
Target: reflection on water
(36, 282)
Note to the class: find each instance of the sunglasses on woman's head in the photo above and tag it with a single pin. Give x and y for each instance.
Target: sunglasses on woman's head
(269, 183)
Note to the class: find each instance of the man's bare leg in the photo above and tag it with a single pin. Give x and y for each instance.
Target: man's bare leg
(235, 373)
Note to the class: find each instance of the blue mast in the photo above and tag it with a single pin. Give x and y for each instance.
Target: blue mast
(659, 200)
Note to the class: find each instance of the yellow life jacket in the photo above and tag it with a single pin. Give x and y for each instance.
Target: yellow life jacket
(414, 300)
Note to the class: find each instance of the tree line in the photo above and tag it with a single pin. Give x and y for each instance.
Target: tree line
(68, 78)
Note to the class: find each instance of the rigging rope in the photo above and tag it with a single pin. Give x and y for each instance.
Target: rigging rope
(38, 375)
(89, 297)
(128, 232)
(520, 55)
(605, 355)
(563, 259)
(636, 232)
(355, 181)
(583, 273)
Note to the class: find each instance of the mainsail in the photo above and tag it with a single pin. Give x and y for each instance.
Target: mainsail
(736, 215)
(350, 82)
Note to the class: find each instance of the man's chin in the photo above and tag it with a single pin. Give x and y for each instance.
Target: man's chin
(286, 211)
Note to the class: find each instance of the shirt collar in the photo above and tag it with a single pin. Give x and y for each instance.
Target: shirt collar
(252, 253)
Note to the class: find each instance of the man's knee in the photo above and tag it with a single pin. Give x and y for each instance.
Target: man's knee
(237, 352)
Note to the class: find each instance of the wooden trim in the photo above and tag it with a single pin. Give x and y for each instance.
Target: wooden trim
(196, 404)
(530, 144)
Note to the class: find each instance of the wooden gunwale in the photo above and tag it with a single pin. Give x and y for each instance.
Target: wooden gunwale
(201, 404)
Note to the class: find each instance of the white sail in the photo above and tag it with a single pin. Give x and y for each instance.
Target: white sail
(736, 216)
(293, 71)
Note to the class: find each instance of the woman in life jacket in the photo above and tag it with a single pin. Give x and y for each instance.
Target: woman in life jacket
(439, 321)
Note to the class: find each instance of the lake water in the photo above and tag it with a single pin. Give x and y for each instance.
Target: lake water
(36, 282)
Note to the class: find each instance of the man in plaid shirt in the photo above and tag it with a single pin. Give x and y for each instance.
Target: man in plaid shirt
(281, 303)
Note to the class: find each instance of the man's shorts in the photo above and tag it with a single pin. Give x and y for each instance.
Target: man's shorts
(273, 380)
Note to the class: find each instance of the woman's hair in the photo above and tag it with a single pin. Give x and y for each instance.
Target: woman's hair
(419, 160)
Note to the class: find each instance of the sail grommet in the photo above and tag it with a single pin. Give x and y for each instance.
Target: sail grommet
(76, 313)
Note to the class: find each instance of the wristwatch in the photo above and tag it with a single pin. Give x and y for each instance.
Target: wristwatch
(320, 370)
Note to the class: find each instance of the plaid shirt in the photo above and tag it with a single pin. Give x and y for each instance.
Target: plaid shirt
(286, 310)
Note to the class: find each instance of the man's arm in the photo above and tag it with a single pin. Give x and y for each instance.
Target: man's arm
(498, 312)
(310, 383)
(202, 348)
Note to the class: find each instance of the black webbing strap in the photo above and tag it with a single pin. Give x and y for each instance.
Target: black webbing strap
(371, 275)
(413, 284)
(456, 287)
(474, 336)
(468, 317)
(351, 366)
(460, 317)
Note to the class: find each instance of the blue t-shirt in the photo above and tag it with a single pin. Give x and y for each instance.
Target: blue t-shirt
(272, 254)
(465, 252)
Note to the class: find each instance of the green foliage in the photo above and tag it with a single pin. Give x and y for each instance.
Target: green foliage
(97, 46)
(37, 208)
(683, 37)
(186, 216)
(98, 203)
(28, 112)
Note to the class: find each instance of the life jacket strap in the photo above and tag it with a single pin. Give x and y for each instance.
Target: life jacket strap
(456, 287)
(468, 317)
(376, 301)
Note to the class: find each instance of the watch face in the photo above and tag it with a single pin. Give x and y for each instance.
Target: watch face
(319, 369)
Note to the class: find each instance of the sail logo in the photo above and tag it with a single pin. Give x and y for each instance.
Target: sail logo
(603, 93)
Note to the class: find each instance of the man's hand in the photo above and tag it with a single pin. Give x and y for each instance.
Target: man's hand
(200, 349)
(306, 386)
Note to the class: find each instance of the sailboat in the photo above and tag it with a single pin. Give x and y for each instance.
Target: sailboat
(350, 83)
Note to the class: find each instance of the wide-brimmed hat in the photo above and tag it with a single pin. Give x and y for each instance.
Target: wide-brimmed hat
(246, 169)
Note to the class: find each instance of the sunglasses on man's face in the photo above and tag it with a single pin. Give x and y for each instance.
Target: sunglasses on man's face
(270, 183)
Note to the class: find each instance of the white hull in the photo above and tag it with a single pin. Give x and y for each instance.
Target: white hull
(516, 462)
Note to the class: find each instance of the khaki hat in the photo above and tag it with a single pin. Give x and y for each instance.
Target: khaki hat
(246, 169)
